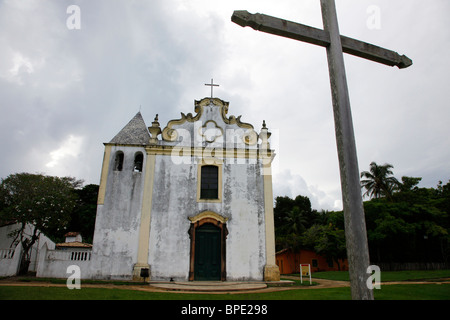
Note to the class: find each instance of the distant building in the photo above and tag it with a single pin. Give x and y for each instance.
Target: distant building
(289, 261)
(73, 241)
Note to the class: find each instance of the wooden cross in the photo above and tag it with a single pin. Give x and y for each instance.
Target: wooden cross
(355, 225)
(211, 85)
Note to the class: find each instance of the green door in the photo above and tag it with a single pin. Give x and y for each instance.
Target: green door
(207, 264)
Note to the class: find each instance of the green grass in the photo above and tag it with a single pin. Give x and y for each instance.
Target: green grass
(61, 293)
(413, 292)
(388, 275)
(387, 292)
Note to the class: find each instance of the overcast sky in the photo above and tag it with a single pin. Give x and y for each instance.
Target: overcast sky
(64, 92)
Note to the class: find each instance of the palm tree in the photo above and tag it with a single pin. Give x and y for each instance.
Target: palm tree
(295, 221)
(379, 181)
(289, 233)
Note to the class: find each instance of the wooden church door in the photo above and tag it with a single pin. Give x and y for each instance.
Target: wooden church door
(207, 263)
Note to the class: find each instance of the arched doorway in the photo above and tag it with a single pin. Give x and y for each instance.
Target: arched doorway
(208, 234)
(207, 258)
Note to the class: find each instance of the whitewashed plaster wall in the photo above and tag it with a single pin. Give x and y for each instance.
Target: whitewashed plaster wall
(115, 243)
(6, 242)
(175, 200)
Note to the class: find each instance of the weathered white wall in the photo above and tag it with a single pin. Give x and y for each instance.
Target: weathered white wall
(6, 242)
(54, 263)
(175, 200)
(174, 192)
(116, 234)
(244, 203)
(9, 261)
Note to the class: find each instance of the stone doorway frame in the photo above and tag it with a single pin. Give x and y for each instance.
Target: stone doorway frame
(218, 221)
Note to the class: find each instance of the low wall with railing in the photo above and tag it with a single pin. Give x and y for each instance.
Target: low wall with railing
(6, 253)
(54, 263)
(10, 260)
(69, 255)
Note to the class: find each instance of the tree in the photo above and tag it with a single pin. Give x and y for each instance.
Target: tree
(282, 206)
(294, 223)
(379, 181)
(45, 202)
(414, 226)
(83, 216)
(409, 184)
(326, 240)
(292, 217)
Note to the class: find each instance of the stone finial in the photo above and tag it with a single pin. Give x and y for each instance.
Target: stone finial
(155, 130)
(264, 136)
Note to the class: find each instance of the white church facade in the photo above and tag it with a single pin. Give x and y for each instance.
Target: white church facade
(190, 201)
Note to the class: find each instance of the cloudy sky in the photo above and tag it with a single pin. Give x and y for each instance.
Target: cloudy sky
(68, 85)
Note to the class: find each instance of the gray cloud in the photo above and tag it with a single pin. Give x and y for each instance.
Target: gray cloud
(65, 92)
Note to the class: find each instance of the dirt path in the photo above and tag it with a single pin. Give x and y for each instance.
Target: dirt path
(321, 283)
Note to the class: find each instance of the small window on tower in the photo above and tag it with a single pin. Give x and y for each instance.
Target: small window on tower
(138, 162)
(118, 165)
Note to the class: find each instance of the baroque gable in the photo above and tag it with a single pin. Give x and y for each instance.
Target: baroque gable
(210, 126)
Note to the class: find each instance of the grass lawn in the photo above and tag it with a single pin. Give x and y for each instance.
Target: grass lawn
(387, 292)
(62, 293)
(413, 292)
(387, 275)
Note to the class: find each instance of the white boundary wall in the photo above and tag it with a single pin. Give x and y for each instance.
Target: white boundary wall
(10, 260)
(54, 263)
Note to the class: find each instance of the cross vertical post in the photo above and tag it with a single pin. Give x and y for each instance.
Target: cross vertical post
(211, 85)
(355, 226)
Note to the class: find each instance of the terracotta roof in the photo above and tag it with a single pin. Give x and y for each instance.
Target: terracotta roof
(71, 234)
(74, 244)
(282, 251)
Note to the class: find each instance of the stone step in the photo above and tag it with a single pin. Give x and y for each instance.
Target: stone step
(208, 286)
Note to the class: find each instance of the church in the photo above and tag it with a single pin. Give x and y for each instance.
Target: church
(190, 201)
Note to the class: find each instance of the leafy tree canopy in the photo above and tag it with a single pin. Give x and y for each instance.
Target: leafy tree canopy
(45, 202)
(405, 223)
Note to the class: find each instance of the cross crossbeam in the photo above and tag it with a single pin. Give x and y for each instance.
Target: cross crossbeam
(304, 33)
(212, 85)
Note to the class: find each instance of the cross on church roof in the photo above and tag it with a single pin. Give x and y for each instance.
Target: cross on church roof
(211, 85)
